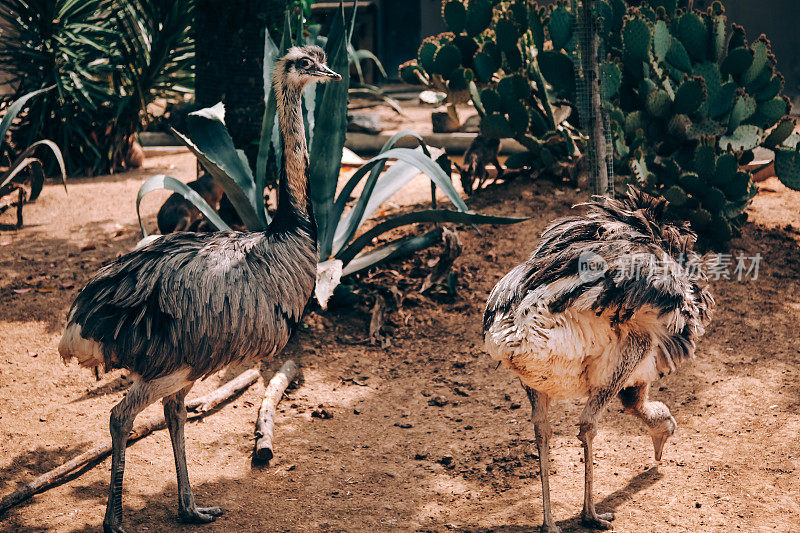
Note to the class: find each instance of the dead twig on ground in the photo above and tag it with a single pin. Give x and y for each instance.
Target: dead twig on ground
(265, 423)
(200, 405)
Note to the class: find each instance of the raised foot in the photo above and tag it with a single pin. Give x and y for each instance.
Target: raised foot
(200, 515)
(597, 521)
(549, 529)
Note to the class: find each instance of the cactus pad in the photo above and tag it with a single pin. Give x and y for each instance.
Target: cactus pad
(506, 35)
(760, 59)
(700, 219)
(713, 199)
(781, 132)
(455, 15)
(459, 79)
(743, 108)
(717, 37)
(557, 68)
(675, 196)
(737, 61)
(690, 96)
(410, 72)
(692, 183)
(692, 32)
(787, 167)
(446, 59)
(560, 26)
(479, 16)
(518, 117)
(772, 89)
(636, 38)
(679, 126)
(768, 113)
(678, 57)
(491, 101)
(425, 54)
(485, 66)
(658, 103)
(496, 126)
(633, 122)
(661, 40)
(536, 26)
(727, 166)
(610, 80)
(704, 163)
(721, 101)
(744, 137)
(737, 187)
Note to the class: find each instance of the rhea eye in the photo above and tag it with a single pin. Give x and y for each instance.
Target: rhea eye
(304, 63)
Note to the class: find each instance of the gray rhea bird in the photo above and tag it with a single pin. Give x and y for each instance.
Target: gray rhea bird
(606, 304)
(189, 304)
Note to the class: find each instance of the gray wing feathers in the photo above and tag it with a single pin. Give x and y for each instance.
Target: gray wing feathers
(201, 300)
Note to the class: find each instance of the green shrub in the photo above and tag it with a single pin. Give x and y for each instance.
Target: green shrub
(108, 59)
(688, 103)
(495, 55)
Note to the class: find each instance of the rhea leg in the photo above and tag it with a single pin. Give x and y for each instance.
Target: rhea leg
(540, 405)
(630, 354)
(140, 395)
(175, 416)
(655, 415)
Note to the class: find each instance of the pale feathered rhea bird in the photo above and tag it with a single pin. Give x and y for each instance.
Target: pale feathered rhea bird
(604, 306)
(188, 304)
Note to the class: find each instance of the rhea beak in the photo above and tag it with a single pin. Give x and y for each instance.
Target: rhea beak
(324, 72)
(658, 445)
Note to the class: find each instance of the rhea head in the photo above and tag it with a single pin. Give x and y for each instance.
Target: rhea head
(302, 65)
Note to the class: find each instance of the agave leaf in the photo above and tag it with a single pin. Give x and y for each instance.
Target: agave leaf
(372, 91)
(376, 192)
(271, 53)
(347, 190)
(213, 146)
(329, 136)
(395, 249)
(357, 56)
(7, 178)
(15, 108)
(171, 184)
(361, 55)
(23, 160)
(429, 215)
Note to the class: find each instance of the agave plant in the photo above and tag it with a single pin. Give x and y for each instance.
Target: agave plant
(341, 251)
(12, 180)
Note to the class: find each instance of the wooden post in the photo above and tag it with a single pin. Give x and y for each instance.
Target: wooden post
(265, 423)
(600, 183)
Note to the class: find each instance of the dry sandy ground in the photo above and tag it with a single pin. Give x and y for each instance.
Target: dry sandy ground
(388, 459)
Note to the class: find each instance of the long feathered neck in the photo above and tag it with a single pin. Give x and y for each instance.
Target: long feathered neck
(294, 201)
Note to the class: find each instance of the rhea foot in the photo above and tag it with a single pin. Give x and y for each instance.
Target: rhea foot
(549, 529)
(112, 528)
(200, 515)
(597, 521)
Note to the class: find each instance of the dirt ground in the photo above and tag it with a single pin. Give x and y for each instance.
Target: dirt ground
(426, 435)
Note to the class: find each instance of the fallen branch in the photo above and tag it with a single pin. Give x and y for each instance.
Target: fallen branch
(216, 397)
(200, 405)
(265, 423)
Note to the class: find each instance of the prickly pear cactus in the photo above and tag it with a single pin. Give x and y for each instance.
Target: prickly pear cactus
(495, 54)
(691, 104)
